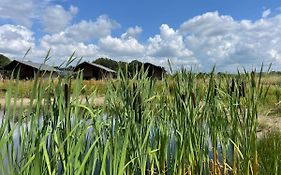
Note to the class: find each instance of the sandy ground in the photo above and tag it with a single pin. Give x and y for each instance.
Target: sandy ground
(267, 124)
(98, 101)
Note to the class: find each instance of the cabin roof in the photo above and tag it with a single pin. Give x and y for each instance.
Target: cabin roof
(95, 65)
(38, 66)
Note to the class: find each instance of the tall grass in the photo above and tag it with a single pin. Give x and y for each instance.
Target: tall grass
(183, 126)
(269, 149)
(25, 88)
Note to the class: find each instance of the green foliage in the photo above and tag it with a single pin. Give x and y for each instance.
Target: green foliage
(130, 68)
(186, 126)
(269, 151)
(112, 64)
(4, 60)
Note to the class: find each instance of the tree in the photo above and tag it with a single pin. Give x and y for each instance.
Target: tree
(4, 60)
(112, 64)
(133, 66)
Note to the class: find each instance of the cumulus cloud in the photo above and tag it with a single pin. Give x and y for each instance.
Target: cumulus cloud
(15, 40)
(56, 18)
(87, 30)
(266, 13)
(204, 40)
(62, 51)
(168, 44)
(132, 32)
(76, 37)
(121, 47)
(17, 11)
(219, 39)
(25, 13)
(275, 54)
(83, 31)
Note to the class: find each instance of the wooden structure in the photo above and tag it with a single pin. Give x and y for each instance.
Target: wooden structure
(28, 69)
(94, 71)
(154, 71)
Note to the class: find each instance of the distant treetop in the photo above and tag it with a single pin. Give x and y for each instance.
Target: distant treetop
(4, 60)
(153, 70)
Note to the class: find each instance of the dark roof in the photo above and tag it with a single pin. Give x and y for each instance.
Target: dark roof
(38, 66)
(95, 65)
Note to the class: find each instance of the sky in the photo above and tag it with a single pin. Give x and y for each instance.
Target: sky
(200, 34)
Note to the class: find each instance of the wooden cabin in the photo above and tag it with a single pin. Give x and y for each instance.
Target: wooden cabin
(94, 71)
(154, 71)
(27, 69)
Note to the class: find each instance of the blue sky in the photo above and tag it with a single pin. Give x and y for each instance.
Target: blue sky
(189, 33)
(150, 14)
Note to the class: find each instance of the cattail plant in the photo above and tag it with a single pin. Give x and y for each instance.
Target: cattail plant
(184, 124)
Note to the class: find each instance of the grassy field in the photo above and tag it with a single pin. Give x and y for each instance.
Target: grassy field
(184, 124)
(269, 106)
(25, 86)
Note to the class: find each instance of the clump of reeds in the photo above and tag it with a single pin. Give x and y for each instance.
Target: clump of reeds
(269, 151)
(183, 126)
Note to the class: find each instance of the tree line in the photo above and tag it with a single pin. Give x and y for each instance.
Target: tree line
(132, 67)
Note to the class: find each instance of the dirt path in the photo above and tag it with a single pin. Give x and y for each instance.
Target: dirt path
(267, 124)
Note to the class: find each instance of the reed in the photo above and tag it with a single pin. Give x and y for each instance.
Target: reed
(180, 125)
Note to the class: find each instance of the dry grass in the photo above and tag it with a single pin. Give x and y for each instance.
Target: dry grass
(271, 79)
(25, 87)
(99, 87)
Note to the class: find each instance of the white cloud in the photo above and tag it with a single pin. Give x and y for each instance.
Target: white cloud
(63, 51)
(204, 40)
(132, 32)
(56, 18)
(15, 40)
(168, 44)
(18, 11)
(266, 13)
(87, 30)
(275, 55)
(198, 41)
(27, 12)
(76, 37)
(121, 47)
(221, 40)
(208, 24)
(83, 31)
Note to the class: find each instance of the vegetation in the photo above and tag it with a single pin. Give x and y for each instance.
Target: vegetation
(4, 60)
(25, 88)
(180, 125)
(115, 65)
(269, 149)
(112, 64)
(270, 105)
(131, 67)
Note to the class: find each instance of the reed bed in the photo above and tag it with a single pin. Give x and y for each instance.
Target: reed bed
(186, 126)
(25, 88)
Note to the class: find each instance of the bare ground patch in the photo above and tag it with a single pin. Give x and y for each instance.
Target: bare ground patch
(267, 123)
